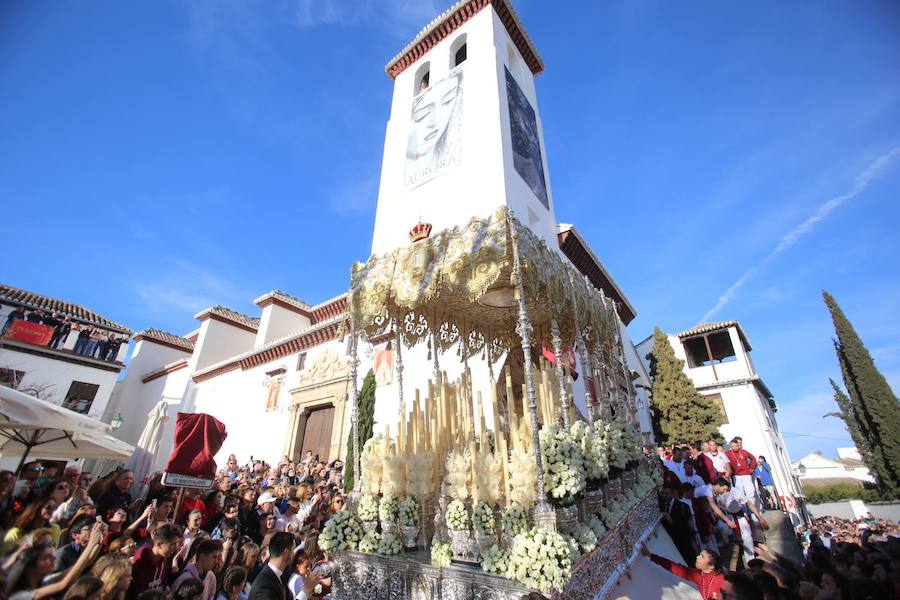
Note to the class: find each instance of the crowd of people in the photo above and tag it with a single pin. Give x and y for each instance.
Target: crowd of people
(89, 340)
(252, 536)
(712, 504)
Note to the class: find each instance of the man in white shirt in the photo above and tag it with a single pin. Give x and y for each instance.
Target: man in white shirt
(733, 503)
(718, 458)
(676, 465)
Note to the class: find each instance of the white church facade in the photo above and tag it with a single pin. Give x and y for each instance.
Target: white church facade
(464, 138)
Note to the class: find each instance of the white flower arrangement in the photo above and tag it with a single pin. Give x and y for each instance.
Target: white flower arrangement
(388, 509)
(563, 464)
(592, 443)
(586, 538)
(623, 443)
(367, 508)
(574, 549)
(612, 513)
(522, 478)
(540, 560)
(495, 560)
(371, 461)
(441, 554)
(390, 544)
(515, 520)
(409, 512)
(369, 542)
(342, 532)
(615, 445)
(457, 516)
(597, 527)
(483, 519)
(458, 475)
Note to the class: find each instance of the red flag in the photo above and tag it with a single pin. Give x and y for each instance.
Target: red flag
(197, 439)
(568, 359)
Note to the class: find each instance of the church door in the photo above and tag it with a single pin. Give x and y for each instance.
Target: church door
(317, 433)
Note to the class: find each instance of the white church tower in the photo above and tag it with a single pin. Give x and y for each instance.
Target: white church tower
(464, 136)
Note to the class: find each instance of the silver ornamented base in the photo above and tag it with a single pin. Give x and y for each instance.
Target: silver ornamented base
(409, 536)
(463, 547)
(629, 478)
(369, 526)
(371, 577)
(567, 518)
(389, 526)
(593, 502)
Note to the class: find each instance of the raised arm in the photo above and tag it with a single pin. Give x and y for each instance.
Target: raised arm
(87, 556)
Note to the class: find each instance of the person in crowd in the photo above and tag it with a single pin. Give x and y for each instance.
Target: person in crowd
(116, 578)
(706, 573)
(765, 483)
(206, 559)
(717, 455)
(233, 584)
(116, 519)
(117, 493)
(151, 565)
(35, 316)
(678, 521)
(736, 505)
(61, 333)
(16, 314)
(190, 589)
(79, 536)
(87, 587)
(35, 516)
(676, 464)
(269, 584)
(26, 578)
(256, 523)
(743, 465)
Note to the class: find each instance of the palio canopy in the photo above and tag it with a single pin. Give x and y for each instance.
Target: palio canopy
(39, 429)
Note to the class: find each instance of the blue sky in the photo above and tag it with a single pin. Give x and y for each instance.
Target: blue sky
(724, 161)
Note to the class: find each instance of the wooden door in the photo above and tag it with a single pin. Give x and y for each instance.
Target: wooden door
(317, 433)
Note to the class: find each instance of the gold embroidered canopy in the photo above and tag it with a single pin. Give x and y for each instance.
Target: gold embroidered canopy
(438, 285)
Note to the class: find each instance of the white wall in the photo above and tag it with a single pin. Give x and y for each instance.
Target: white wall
(277, 322)
(60, 374)
(218, 341)
(485, 179)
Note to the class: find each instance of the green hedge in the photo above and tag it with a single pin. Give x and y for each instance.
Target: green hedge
(845, 491)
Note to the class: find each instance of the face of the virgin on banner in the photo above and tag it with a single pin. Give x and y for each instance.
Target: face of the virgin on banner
(431, 114)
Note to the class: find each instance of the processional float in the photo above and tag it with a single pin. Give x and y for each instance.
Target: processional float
(488, 289)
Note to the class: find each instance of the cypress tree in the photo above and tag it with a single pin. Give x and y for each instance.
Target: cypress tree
(680, 413)
(855, 426)
(365, 415)
(875, 410)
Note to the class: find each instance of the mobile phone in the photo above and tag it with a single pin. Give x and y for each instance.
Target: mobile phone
(153, 503)
(99, 519)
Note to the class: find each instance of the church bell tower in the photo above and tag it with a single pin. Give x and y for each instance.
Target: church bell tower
(464, 136)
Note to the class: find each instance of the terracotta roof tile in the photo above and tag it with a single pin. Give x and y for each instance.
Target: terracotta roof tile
(229, 315)
(166, 337)
(715, 326)
(284, 297)
(76, 312)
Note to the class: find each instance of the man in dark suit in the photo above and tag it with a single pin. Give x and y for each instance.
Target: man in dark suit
(678, 520)
(271, 582)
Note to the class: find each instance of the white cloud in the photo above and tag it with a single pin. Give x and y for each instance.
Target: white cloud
(187, 288)
(862, 181)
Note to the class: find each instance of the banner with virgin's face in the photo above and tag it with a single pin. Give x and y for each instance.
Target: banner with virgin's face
(435, 130)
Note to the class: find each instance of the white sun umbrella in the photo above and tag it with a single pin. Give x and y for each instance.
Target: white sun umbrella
(148, 446)
(39, 429)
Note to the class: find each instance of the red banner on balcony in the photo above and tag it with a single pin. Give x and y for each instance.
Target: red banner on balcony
(568, 359)
(31, 333)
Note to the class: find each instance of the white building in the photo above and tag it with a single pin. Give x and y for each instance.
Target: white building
(814, 470)
(58, 374)
(717, 359)
(464, 137)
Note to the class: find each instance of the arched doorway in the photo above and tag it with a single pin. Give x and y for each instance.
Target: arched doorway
(315, 434)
